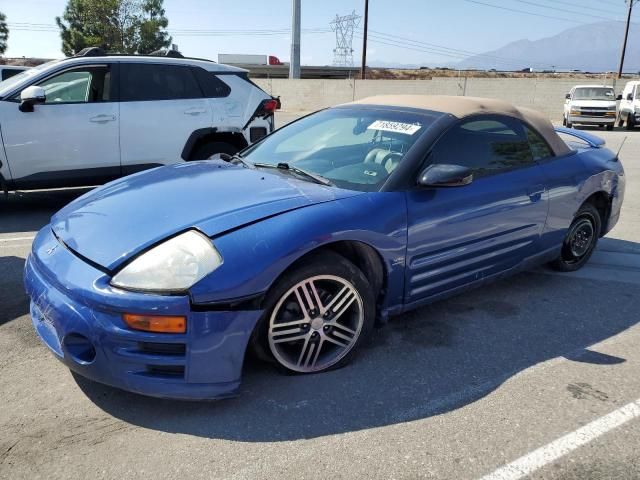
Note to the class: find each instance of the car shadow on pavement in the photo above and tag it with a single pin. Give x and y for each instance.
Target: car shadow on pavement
(13, 301)
(423, 363)
(28, 212)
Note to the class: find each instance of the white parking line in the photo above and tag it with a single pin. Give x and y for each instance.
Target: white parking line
(549, 453)
(17, 239)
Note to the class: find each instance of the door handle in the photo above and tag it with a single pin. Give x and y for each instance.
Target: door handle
(102, 118)
(194, 111)
(535, 192)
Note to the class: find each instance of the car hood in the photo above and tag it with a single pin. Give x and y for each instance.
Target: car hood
(115, 222)
(593, 103)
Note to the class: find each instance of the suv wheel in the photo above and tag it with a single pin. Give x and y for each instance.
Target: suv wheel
(630, 122)
(208, 150)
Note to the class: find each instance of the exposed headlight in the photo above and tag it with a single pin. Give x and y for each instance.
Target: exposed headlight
(172, 266)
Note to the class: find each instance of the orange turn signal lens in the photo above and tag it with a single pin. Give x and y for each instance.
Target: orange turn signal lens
(156, 323)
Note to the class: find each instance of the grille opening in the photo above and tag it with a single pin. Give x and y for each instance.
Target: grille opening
(166, 370)
(178, 349)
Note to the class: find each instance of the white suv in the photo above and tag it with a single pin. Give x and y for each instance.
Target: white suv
(630, 105)
(91, 118)
(590, 105)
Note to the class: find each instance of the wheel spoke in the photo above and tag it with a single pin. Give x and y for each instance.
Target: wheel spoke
(339, 297)
(314, 291)
(343, 328)
(295, 323)
(303, 307)
(340, 343)
(344, 305)
(306, 352)
(288, 339)
(342, 335)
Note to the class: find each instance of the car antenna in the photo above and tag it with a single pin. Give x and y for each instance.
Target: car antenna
(620, 148)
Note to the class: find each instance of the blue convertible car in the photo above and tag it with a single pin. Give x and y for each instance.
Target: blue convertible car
(160, 282)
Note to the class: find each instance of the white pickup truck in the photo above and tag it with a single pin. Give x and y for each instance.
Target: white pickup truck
(590, 105)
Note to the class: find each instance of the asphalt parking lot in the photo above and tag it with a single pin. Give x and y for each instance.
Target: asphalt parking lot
(455, 390)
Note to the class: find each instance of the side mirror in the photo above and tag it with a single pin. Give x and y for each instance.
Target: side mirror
(630, 97)
(31, 96)
(445, 175)
(619, 97)
(568, 96)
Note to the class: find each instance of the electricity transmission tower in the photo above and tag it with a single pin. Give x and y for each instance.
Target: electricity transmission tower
(344, 27)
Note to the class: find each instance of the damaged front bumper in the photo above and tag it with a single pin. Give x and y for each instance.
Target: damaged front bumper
(78, 315)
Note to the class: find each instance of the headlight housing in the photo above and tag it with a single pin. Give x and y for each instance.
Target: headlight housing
(173, 266)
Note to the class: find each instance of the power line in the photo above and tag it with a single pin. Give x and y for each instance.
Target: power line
(573, 12)
(578, 5)
(522, 11)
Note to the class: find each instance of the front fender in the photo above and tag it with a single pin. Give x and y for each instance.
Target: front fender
(256, 255)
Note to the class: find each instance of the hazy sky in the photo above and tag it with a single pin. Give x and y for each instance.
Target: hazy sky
(460, 26)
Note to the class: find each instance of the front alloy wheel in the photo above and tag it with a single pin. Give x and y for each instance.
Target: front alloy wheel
(316, 323)
(316, 316)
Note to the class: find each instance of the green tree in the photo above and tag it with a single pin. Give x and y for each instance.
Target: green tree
(4, 33)
(121, 26)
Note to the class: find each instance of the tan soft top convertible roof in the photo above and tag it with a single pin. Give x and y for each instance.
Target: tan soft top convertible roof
(461, 107)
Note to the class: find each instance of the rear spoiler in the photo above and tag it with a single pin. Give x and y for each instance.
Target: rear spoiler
(591, 140)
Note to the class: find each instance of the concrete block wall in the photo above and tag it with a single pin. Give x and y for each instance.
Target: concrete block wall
(546, 95)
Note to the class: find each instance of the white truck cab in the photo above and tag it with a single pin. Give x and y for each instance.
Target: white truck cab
(630, 105)
(89, 119)
(590, 105)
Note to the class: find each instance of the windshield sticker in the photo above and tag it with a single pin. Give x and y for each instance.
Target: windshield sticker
(397, 127)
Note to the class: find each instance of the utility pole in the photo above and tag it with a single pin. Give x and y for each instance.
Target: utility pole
(294, 65)
(626, 36)
(364, 41)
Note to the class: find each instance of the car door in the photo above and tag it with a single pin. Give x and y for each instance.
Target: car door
(161, 106)
(72, 138)
(459, 235)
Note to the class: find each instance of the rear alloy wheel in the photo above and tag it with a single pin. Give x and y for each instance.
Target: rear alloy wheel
(580, 241)
(317, 316)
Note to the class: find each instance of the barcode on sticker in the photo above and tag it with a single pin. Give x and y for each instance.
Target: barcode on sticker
(397, 127)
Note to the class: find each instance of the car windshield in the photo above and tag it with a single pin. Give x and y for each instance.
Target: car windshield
(353, 148)
(10, 82)
(594, 93)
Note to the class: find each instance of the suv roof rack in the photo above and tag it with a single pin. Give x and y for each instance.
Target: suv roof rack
(170, 53)
(167, 53)
(91, 52)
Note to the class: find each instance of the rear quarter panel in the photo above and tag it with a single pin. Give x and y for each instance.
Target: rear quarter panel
(572, 179)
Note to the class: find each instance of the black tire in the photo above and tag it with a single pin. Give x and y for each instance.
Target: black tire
(610, 127)
(564, 121)
(576, 248)
(207, 150)
(630, 122)
(322, 263)
(620, 122)
(569, 125)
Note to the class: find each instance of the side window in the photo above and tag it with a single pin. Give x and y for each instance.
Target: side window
(212, 86)
(539, 147)
(487, 146)
(148, 81)
(80, 85)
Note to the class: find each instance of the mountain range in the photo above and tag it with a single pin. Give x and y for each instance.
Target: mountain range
(593, 47)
